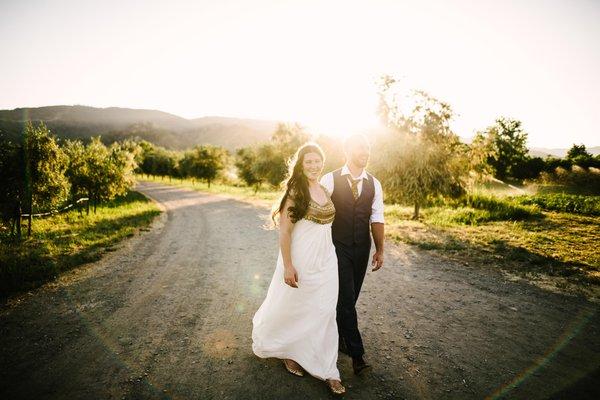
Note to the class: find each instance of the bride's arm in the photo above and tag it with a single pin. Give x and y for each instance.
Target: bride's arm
(286, 225)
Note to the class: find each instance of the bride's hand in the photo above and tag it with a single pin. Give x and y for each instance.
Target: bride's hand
(290, 276)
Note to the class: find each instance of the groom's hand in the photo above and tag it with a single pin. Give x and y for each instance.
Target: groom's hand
(377, 260)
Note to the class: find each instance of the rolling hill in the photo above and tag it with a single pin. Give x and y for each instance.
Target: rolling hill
(164, 129)
(159, 127)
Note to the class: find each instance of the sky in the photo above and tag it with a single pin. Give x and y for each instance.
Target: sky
(315, 62)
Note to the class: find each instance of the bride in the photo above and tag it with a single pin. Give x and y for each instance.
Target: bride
(297, 320)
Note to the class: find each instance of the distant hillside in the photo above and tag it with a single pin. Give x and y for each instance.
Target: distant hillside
(161, 128)
(543, 152)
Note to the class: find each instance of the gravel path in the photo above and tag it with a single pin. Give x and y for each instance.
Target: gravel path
(168, 314)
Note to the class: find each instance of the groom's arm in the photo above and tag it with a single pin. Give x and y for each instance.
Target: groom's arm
(377, 226)
(327, 181)
(378, 232)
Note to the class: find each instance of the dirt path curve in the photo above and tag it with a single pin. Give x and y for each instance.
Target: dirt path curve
(168, 315)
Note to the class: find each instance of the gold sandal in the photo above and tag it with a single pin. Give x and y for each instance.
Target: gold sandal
(293, 369)
(336, 387)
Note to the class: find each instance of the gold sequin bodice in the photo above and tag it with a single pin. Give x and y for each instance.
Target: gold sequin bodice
(321, 214)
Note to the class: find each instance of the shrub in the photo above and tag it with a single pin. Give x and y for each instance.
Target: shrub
(498, 209)
(571, 203)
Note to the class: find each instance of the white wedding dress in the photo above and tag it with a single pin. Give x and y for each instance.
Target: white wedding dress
(300, 323)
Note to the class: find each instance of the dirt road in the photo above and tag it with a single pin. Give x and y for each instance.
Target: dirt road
(168, 314)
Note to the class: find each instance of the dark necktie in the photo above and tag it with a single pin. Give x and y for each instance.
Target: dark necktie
(354, 187)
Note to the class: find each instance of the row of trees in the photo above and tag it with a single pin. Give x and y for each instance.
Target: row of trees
(263, 163)
(421, 158)
(202, 162)
(508, 156)
(39, 174)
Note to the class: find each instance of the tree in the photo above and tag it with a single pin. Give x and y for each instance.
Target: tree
(77, 168)
(530, 168)
(204, 162)
(45, 164)
(119, 167)
(245, 161)
(269, 162)
(509, 144)
(578, 155)
(578, 151)
(136, 149)
(102, 173)
(414, 170)
(480, 150)
(421, 157)
(12, 181)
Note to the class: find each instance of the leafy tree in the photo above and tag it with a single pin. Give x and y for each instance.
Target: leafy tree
(414, 170)
(245, 161)
(578, 151)
(421, 158)
(204, 162)
(268, 162)
(480, 150)
(12, 181)
(156, 160)
(45, 164)
(120, 166)
(509, 143)
(578, 155)
(530, 168)
(136, 149)
(102, 173)
(77, 168)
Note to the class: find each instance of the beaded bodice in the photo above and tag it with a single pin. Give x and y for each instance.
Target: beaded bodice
(321, 214)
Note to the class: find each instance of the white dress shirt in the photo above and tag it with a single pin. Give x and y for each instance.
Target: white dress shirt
(376, 207)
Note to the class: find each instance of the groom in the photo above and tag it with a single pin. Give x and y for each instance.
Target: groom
(358, 200)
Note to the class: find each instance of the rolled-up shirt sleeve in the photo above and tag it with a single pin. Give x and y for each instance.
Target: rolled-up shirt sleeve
(377, 207)
(327, 181)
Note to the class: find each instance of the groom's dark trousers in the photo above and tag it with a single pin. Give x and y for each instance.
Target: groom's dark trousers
(351, 237)
(352, 266)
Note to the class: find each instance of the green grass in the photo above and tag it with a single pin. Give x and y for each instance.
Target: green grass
(563, 202)
(554, 244)
(64, 241)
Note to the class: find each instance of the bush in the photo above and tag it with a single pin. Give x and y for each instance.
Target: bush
(497, 209)
(571, 203)
(576, 179)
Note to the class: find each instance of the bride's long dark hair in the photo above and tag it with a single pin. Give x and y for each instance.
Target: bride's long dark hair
(296, 184)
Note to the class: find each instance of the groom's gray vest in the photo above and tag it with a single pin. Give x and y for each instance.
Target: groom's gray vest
(351, 223)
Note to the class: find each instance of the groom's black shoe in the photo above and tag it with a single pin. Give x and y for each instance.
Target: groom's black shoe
(359, 365)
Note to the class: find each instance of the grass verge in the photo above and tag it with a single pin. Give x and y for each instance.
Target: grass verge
(64, 241)
(553, 244)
